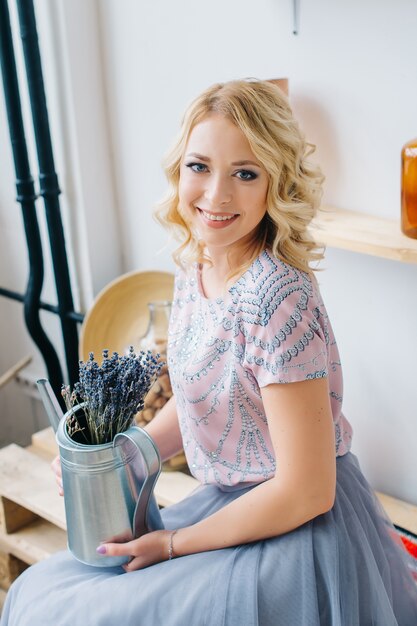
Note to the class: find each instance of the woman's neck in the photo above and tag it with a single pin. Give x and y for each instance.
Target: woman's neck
(219, 274)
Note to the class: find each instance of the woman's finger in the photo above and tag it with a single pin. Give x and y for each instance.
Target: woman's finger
(56, 466)
(116, 549)
(134, 564)
(58, 481)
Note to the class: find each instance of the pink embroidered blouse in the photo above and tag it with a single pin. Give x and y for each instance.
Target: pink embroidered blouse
(271, 327)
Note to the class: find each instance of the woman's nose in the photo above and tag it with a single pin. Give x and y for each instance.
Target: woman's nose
(218, 191)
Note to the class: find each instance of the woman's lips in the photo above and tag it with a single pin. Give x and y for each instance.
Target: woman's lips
(216, 223)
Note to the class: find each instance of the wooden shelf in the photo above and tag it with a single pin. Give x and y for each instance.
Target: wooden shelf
(401, 513)
(368, 234)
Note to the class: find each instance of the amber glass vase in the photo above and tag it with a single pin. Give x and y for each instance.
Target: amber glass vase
(409, 189)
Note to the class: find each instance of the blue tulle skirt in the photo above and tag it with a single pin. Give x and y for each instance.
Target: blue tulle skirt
(344, 568)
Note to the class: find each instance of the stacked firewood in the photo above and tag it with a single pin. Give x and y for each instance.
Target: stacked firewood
(157, 397)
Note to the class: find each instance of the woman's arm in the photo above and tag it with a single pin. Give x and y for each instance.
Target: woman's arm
(302, 431)
(165, 431)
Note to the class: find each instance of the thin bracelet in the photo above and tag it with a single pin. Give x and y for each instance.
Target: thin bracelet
(171, 546)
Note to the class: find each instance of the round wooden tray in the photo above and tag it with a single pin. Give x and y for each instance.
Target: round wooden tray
(119, 314)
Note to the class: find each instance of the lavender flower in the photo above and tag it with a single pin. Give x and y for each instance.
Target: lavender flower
(113, 393)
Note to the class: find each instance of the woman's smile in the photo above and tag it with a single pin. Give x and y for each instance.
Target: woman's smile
(217, 220)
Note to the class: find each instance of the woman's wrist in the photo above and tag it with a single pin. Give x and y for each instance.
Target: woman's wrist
(171, 551)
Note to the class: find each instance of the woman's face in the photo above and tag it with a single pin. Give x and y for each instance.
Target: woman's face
(223, 187)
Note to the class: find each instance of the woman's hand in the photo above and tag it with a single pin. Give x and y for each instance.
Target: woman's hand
(147, 550)
(56, 468)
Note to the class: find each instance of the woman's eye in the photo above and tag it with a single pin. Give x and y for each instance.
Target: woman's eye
(246, 175)
(197, 167)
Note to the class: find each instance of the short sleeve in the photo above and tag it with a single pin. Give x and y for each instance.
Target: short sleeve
(285, 332)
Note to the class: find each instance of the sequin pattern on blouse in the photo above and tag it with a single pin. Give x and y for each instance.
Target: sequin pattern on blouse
(271, 327)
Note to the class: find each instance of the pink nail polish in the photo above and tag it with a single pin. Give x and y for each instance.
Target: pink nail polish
(101, 549)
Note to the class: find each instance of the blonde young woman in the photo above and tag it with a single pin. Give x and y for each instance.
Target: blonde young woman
(284, 530)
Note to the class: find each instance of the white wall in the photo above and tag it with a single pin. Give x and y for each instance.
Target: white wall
(353, 86)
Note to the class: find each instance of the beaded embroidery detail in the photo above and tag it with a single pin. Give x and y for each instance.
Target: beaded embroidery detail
(271, 327)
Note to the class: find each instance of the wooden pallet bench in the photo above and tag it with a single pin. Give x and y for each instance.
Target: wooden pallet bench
(32, 515)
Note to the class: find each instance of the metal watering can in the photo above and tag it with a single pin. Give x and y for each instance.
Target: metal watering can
(108, 488)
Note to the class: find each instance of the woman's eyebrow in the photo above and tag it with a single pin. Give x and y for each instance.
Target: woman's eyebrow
(198, 156)
(201, 157)
(247, 163)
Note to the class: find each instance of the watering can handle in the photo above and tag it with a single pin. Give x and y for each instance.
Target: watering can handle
(146, 518)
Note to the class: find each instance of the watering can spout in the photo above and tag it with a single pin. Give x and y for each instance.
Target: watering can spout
(50, 402)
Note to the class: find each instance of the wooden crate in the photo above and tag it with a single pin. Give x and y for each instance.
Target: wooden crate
(32, 517)
(10, 568)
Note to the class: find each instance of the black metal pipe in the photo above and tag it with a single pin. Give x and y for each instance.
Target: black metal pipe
(13, 295)
(49, 188)
(26, 196)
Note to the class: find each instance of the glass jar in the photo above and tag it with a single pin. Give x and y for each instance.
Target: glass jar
(156, 335)
(409, 189)
(156, 340)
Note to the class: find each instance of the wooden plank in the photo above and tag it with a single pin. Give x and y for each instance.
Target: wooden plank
(358, 232)
(35, 542)
(173, 487)
(13, 371)
(13, 516)
(42, 454)
(45, 440)
(10, 568)
(28, 481)
(401, 513)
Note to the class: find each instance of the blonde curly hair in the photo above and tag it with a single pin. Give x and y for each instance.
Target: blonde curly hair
(262, 112)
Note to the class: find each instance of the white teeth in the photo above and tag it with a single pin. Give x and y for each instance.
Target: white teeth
(217, 218)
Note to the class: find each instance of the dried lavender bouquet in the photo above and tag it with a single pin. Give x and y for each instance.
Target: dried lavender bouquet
(112, 394)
